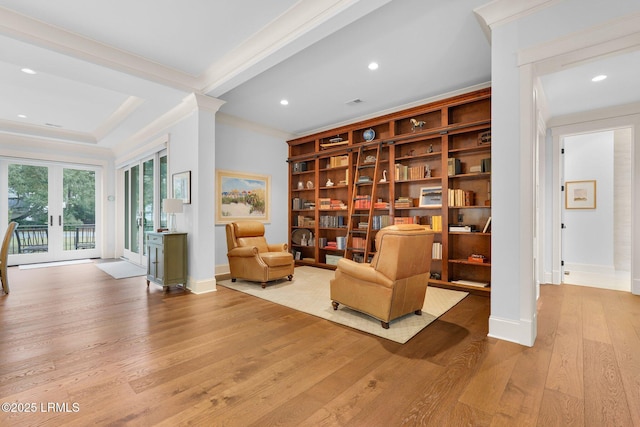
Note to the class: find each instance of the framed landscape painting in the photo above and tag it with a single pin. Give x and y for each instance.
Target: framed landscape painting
(580, 195)
(242, 196)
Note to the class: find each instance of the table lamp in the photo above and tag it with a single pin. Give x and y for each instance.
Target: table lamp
(172, 207)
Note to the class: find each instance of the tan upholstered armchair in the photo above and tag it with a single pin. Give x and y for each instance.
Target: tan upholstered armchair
(252, 258)
(395, 282)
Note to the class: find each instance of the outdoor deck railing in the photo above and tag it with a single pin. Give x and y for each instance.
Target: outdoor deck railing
(35, 238)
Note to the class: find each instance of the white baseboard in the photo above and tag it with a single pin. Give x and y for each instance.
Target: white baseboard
(201, 286)
(590, 268)
(520, 332)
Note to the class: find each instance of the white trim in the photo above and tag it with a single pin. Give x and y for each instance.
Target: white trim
(42, 131)
(612, 37)
(117, 117)
(19, 147)
(158, 144)
(201, 286)
(57, 39)
(507, 329)
(236, 122)
(499, 12)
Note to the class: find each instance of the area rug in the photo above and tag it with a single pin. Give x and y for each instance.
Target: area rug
(53, 264)
(121, 269)
(309, 292)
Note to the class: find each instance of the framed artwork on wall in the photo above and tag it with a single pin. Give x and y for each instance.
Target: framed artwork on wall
(182, 186)
(242, 196)
(580, 194)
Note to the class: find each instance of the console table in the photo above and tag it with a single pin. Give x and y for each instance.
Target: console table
(167, 259)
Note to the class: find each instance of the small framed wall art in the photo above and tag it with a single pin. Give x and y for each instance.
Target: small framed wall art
(580, 194)
(182, 186)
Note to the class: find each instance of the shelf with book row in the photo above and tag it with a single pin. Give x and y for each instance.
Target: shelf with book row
(434, 169)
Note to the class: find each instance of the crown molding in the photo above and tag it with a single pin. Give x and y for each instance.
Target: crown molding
(21, 145)
(280, 39)
(118, 116)
(13, 127)
(611, 37)
(236, 122)
(51, 37)
(190, 103)
(499, 12)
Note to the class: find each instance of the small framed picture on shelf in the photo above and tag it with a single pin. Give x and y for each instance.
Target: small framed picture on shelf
(430, 197)
(580, 194)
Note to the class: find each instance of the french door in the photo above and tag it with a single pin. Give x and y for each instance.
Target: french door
(145, 185)
(55, 206)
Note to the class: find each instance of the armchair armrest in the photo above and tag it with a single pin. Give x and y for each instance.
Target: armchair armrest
(277, 247)
(358, 270)
(245, 251)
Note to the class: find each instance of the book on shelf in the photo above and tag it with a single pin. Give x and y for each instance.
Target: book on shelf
(461, 228)
(436, 251)
(487, 226)
(454, 166)
(471, 283)
(337, 161)
(485, 165)
(403, 220)
(436, 222)
(403, 202)
(459, 197)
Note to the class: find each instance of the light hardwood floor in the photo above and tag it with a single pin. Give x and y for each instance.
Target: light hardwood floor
(111, 352)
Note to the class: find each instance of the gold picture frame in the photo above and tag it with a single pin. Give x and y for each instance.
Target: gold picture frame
(580, 194)
(242, 196)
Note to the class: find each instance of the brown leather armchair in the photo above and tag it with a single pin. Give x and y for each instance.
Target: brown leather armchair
(395, 282)
(252, 258)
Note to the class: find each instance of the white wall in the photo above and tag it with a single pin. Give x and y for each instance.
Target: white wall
(249, 150)
(588, 237)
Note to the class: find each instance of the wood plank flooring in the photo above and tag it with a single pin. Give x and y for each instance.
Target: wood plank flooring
(79, 348)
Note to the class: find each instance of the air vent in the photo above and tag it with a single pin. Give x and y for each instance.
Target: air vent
(354, 101)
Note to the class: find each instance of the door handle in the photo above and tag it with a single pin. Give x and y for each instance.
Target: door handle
(51, 220)
(60, 220)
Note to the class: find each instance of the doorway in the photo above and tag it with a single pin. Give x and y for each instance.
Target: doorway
(55, 206)
(595, 239)
(145, 185)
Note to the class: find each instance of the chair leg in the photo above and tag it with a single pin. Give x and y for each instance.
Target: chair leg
(290, 277)
(418, 312)
(3, 279)
(384, 324)
(335, 304)
(264, 285)
(233, 279)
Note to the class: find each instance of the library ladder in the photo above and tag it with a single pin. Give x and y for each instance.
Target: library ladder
(361, 208)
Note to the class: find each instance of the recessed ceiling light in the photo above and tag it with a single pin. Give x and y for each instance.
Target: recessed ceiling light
(373, 66)
(22, 116)
(599, 78)
(28, 71)
(284, 102)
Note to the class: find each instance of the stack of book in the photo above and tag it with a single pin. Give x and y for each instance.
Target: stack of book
(362, 202)
(325, 203)
(338, 204)
(453, 166)
(403, 202)
(461, 228)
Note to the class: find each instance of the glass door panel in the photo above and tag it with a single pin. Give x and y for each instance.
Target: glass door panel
(79, 209)
(28, 190)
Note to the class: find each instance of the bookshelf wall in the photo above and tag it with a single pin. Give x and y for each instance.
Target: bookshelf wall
(434, 169)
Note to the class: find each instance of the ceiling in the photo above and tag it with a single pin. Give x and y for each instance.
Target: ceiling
(107, 70)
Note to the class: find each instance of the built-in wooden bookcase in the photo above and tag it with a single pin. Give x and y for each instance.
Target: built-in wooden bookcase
(433, 168)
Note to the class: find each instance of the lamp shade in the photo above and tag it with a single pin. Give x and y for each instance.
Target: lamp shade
(172, 205)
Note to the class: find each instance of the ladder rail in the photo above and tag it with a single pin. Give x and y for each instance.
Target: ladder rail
(368, 232)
